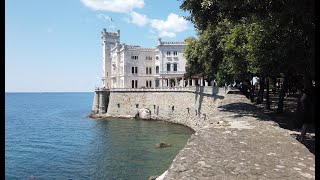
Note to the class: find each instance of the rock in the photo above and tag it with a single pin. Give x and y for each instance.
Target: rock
(152, 178)
(163, 144)
(144, 114)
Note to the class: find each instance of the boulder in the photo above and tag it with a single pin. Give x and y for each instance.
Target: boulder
(144, 114)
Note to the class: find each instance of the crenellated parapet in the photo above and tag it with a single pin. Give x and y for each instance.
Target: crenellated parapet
(106, 34)
(160, 42)
(135, 47)
(173, 43)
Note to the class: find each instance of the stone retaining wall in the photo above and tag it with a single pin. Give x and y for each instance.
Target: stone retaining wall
(192, 108)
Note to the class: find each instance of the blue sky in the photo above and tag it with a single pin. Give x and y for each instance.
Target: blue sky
(55, 45)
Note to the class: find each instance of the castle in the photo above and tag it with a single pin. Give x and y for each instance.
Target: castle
(131, 66)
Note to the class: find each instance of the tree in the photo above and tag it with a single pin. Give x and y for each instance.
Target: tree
(264, 37)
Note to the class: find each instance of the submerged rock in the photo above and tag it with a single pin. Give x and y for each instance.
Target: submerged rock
(163, 144)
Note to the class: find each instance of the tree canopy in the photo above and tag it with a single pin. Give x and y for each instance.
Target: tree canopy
(245, 37)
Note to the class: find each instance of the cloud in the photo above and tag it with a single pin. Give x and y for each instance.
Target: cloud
(119, 6)
(139, 19)
(165, 28)
(171, 26)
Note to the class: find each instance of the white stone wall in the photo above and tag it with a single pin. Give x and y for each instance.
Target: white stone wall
(192, 109)
(172, 59)
(141, 63)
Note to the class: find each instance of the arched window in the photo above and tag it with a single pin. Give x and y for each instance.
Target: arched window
(157, 69)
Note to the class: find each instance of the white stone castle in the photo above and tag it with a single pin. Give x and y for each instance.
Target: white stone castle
(131, 66)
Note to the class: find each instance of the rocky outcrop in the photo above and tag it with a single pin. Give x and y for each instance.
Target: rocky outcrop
(144, 114)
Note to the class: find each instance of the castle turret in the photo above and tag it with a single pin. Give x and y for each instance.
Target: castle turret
(109, 40)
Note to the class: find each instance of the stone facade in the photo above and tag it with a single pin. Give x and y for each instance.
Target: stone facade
(131, 66)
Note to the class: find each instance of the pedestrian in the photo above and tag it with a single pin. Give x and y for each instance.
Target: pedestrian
(307, 101)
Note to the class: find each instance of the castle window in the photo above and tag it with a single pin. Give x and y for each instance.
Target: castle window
(132, 84)
(136, 83)
(168, 67)
(168, 53)
(150, 70)
(147, 85)
(157, 69)
(134, 70)
(146, 70)
(175, 53)
(175, 67)
(150, 84)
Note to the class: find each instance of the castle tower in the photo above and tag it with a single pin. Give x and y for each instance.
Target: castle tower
(109, 40)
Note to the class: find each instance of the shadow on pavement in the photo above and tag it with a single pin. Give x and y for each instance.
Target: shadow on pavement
(287, 120)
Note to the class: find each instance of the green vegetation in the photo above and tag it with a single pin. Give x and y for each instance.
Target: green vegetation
(241, 39)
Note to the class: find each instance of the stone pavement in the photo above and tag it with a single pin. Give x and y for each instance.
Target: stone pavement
(241, 143)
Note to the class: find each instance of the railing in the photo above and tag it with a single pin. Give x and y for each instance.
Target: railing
(172, 72)
(199, 89)
(152, 89)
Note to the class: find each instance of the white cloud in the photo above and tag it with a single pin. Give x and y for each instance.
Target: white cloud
(126, 19)
(171, 26)
(165, 28)
(139, 19)
(119, 6)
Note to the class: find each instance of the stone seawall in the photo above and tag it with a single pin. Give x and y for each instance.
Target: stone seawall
(192, 108)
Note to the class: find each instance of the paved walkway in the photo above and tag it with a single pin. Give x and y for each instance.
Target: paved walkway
(242, 143)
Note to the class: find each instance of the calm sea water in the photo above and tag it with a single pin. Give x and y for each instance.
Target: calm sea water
(47, 136)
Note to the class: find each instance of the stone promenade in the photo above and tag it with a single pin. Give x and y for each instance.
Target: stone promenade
(241, 143)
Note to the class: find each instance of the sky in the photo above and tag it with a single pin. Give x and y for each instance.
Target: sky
(55, 45)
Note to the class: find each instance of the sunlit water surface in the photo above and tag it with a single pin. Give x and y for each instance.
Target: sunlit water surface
(47, 136)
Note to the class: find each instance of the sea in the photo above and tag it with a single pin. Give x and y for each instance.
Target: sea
(49, 136)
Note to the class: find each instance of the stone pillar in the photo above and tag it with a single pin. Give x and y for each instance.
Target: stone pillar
(193, 82)
(205, 83)
(182, 80)
(102, 101)
(176, 82)
(95, 105)
(187, 82)
(201, 81)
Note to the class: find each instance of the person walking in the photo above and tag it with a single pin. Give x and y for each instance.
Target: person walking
(307, 101)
